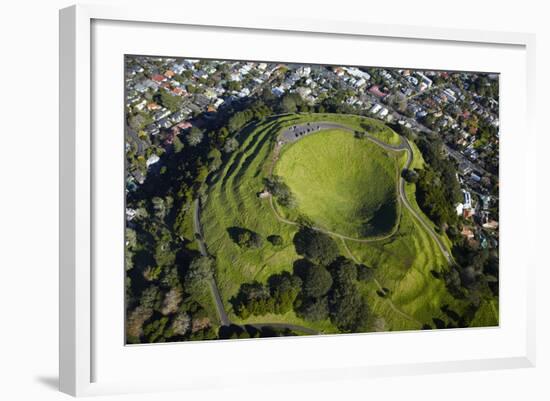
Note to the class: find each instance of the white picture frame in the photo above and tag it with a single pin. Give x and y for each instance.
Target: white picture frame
(79, 345)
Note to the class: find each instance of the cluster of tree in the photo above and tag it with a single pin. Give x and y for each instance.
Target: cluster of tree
(474, 276)
(244, 237)
(165, 283)
(290, 103)
(332, 293)
(138, 120)
(250, 331)
(233, 86)
(410, 175)
(277, 296)
(171, 102)
(154, 251)
(256, 111)
(432, 198)
(336, 103)
(476, 272)
(473, 279)
(194, 136)
(323, 285)
(486, 87)
(277, 187)
(437, 188)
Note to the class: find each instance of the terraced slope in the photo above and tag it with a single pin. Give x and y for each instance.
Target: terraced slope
(404, 262)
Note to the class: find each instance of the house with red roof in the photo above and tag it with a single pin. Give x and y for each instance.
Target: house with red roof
(177, 91)
(375, 90)
(158, 78)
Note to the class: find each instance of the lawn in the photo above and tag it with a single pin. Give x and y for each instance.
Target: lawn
(487, 314)
(233, 202)
(342, 184)
(403, 263)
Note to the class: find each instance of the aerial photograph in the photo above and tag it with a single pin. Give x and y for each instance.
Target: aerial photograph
(271, 199)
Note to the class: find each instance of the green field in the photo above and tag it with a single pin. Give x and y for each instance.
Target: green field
(342, 184)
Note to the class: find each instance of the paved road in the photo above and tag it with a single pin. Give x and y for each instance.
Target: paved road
(421, 220)
(224, 319)
(296, 132)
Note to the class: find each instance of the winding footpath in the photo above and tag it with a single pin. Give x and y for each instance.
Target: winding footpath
(290, 135)
(199, 236)
(388, 300)
(222, 314)
(299, 131)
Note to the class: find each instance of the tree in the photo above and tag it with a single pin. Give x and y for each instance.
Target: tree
(230, 145)
(154, 331)
(233, 86)
(195, 136)
(410, 175)
(198, 276)
(180, 325)
(316, 246)
(221, 135)
(178, 144)
(131, 243)
(172, 300)
(245, 238)
(214, 159)
(276, 240)
(344, 272)
(314, 309)
(252, 299)
(276, 186)
(135, 321)
(348, 309)
(289, 103)
(171, 102)
(150, 297)
(159, 207)
(268, 96)
(284, 288)
(317, 281)
(137, 121)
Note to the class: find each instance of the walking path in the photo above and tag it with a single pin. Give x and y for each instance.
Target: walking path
(388, 300)
(296, 132)
(222, 314)
(199, 236)
(292, 134)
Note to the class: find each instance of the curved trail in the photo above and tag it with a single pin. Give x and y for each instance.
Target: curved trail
(222, 314)
(224, 319)
(388, 300)
(403, 146)
(294, 134)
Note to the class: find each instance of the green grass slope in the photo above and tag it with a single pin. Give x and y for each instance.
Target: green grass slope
(343, 184)
(403, 263)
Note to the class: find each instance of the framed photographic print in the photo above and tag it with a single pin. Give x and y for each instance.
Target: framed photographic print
(296, 198)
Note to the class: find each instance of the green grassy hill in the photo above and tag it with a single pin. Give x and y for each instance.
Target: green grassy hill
(341, 183)
(344, 174)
